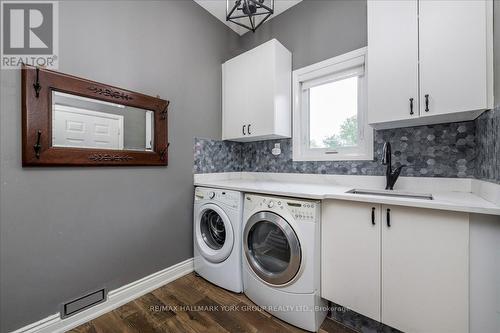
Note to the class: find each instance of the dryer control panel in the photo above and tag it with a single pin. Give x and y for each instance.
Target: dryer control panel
(302, 210)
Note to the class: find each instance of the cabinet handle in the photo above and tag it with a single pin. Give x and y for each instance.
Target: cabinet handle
(388, 218)
(411, 106)
(427, 103)
(248, 130)
(244, 129)
(373, 215)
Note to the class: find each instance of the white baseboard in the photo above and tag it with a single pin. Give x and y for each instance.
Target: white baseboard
(116, 298)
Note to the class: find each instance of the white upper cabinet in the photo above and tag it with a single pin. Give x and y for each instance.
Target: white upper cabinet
(429, 61)
(256, 94)
(392, 61)
(453, 56)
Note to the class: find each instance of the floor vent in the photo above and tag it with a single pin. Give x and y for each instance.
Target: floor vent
(83, 303)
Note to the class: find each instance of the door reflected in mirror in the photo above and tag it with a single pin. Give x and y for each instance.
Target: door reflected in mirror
(81, 122)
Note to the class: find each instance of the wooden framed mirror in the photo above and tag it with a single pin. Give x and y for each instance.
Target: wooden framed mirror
(70, 121)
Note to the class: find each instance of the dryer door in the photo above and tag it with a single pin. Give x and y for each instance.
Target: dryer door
(214, 233)
(272, 248)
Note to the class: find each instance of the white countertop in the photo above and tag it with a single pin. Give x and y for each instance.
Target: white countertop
(454, 194)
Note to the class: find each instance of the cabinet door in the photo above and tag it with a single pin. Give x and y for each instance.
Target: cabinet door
(234, 98)
(260, 90)
(425, 270)
(392, 60)
(350, 256)
(453, 56)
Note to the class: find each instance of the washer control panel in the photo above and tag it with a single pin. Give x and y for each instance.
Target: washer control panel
(301, 210)
(230, 198)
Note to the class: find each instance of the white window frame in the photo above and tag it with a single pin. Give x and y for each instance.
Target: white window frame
(325, 71)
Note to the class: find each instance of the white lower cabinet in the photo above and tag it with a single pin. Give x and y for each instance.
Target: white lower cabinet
(410, 270)
(350, 261)
(425, 270)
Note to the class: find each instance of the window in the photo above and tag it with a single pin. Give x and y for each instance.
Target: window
(330, 121)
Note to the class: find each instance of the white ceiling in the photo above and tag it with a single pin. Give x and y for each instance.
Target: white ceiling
(218, 9)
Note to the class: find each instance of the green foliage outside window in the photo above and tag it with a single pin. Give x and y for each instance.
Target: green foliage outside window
(347, 137)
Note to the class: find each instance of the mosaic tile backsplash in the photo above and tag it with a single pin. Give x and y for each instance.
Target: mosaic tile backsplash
(488, 146)
(464, 150)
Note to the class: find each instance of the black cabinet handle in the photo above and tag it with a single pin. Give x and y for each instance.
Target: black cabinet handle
(244, 129)
(373, 215)
(427, 103)
(249, 129)
(388, 218)
(411, 106)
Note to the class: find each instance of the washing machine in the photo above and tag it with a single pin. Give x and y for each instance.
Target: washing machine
(217, 237)
(281, 266)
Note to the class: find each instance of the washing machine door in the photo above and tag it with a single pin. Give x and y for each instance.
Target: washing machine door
(272, 248)
(213, 233)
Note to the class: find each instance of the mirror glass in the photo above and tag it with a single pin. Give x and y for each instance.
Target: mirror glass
(81, 122)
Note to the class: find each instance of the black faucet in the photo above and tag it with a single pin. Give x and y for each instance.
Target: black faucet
(391, 176)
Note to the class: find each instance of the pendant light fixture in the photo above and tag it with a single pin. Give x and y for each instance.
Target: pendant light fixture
(249, 14)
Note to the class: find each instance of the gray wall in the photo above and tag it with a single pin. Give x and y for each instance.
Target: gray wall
(65, 231)
(315, 30)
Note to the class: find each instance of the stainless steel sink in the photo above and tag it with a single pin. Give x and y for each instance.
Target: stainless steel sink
(389, 193)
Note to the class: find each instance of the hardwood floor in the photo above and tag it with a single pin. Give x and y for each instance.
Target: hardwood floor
(191, 304)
